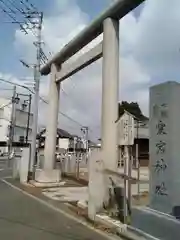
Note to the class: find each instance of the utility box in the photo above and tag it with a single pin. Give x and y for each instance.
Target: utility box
(165, 147)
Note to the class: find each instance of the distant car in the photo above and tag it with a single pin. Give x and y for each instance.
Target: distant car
(58, 158)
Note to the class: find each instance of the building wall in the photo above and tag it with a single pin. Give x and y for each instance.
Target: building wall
(20, 123)
(5, 116)
(78, 144)
(22, 118)
(63, 143)
(20, 131)
(3, 130)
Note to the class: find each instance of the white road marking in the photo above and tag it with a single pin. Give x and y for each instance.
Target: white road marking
(1, 169)
(8, 177)
(142, 233)
(158, 214)
(60, 211)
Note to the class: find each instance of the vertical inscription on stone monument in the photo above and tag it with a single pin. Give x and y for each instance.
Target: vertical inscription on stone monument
(160, 166)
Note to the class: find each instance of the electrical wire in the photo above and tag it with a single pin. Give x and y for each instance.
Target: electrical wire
(13, 18)
(42, 99)
(15, 6)
(63, 114)
(6, 89)
(21, 2)
(11, 11)
(13, 3)
(32, 7)
(16, 84)
(68, 96)
(26, 13)
(46, 102)
(21, 11)
(50, 52)
(70, 118)
(62, 89)
(7, 6)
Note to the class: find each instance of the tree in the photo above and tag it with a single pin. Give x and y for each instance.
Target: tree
(133, 108)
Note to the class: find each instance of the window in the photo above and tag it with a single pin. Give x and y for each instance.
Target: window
(21, 139)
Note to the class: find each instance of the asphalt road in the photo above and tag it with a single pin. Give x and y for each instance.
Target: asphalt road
(5, 170)
(22, 217)
(162, 228)
(3, 162)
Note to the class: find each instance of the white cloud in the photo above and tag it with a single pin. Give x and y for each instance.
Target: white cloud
(128, 33)
(149, 49)
(158, 38)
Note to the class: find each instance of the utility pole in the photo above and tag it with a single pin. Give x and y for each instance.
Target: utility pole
(28, 120)
(85, 131)
(12, 124)
(36, 95)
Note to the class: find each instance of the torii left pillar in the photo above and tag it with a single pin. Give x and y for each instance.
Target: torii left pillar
(107, 158)
(49, 173)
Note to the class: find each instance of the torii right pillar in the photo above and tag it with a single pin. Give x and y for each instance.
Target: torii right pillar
(110, 92)
(107, 158)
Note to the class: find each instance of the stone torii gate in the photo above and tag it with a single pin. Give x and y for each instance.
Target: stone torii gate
(108, 24)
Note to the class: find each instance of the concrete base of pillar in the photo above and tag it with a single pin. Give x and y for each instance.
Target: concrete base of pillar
(98, 186)
(16, 167)
(24, 165)
(48, 176)
(46, 184)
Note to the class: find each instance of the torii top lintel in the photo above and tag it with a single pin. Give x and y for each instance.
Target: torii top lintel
(118, 10)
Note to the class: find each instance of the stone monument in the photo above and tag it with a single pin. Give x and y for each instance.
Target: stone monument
(164, 127)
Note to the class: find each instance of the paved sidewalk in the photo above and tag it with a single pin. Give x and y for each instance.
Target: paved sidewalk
(22, 217)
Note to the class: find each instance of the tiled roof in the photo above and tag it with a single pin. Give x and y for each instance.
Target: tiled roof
(61, 133)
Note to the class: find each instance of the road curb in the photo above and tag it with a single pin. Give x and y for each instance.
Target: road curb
(120, 229)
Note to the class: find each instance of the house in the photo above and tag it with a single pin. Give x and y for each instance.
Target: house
(64, 140)
(22, 128)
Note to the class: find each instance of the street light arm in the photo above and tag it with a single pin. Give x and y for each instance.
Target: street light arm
(16, 84)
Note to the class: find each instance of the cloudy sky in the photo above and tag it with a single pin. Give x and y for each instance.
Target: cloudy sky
(149, 54)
